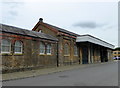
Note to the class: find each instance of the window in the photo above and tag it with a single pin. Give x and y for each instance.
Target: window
(115, 52)
(75, 51)
(66, 49)
(118, 52)
(119, 57)
(42, 48)
(5, 46)
(114, 57)
(18, 47)
(49, 49)
(40, 31)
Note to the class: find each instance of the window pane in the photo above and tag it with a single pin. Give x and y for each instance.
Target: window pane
(5, 42)
(18, 43)
(75, 50)
(5, 49)
(18, 46)
(49, 49)
(5, 46)
(17, 49)
(42, 51)
(66, 49)
(42, 48)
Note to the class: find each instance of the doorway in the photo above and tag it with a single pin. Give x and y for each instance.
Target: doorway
(84, 55)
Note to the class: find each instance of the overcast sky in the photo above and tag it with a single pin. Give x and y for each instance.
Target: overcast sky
(98, 18)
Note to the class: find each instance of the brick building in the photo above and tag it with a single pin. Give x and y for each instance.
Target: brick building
(80, 48)
(49, 46)
(116, 54)
(24, 49)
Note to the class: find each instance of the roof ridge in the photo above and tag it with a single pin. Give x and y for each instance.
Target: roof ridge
(63, 30)
(13, 26)
(16, 30)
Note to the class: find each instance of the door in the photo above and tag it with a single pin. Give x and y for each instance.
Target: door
(84, 55)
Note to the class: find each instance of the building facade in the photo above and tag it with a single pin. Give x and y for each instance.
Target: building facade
(94, 50)
(24, 50)
(49, 46)
(116, 55)
(82, 49)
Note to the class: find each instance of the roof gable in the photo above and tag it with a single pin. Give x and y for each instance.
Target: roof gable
(55, 29)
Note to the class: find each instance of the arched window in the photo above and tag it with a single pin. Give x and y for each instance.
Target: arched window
(18, 47)
(40, 31)
(75, 51)
(42, 48)
(66, 49)
(5, 46)
(49, 49)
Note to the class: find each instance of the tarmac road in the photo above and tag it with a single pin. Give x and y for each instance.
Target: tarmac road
(98, 75)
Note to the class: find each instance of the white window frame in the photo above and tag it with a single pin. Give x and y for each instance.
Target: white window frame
(18, 46)
(42, 48)
(9, 46)
(50, 48)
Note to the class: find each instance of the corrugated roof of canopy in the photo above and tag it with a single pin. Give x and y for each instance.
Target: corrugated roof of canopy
(92, 39)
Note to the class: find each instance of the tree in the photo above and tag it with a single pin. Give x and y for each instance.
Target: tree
(118, 48)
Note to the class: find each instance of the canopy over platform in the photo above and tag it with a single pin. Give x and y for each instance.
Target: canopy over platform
(91, 39)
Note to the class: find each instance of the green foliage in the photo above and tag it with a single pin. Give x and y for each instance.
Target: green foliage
(118, 48)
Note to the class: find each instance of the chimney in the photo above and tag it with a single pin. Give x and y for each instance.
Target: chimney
(41, 20)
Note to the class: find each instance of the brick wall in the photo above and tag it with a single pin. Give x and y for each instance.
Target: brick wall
(30, 57)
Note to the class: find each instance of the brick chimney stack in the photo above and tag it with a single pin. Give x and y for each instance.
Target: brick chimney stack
(41, 20)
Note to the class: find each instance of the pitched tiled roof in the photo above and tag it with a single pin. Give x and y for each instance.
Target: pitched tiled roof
(20, 31)
(62, 30)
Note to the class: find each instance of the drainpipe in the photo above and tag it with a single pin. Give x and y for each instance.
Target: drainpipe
(57, 56)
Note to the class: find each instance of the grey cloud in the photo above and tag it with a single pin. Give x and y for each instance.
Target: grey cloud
(12, 9)
(88, 25)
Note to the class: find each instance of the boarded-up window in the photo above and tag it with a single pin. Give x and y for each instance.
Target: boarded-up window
(5, 46)
(75, 51)
(18, 47)
(48, 48)
(66, 49)
(42, 48)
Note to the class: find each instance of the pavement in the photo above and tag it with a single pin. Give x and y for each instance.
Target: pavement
(38, 72)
